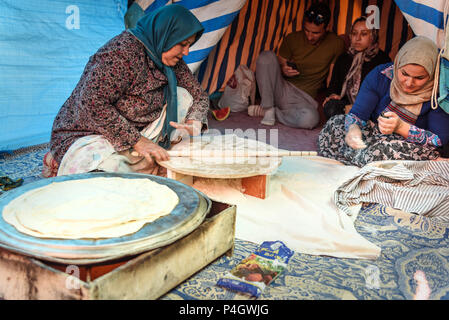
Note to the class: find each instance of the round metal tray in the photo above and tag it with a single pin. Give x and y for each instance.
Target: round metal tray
(190, 212)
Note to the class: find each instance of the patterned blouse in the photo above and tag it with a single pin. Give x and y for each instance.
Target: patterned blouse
(120, 92)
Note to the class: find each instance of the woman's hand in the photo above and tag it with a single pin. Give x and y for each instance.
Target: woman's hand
(191, 127)
(390, 123)
(148, 149)
(333, 96)
(353, 137)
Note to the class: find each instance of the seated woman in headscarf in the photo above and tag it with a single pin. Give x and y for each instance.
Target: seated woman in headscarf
(392, 117)
(135, 96)
(352, 67)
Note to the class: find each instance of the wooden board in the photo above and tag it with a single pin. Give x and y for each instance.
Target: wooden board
(256, 186)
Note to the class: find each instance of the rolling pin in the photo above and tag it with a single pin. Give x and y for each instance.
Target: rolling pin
(235, 153)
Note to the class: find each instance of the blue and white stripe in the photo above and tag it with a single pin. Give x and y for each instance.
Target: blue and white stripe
(215, 16)
(420, 187)
(425, 17)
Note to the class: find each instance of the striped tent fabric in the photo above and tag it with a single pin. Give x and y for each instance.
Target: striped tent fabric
(44, 47)
(262, 24)
(215, 16)
(426, 18)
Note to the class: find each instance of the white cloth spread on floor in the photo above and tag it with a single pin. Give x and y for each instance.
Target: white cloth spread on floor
(299, 210)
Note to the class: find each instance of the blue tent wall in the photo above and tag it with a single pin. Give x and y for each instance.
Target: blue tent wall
(42, 56)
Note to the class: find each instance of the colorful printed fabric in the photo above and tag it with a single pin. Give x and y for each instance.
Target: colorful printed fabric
(388, 72)
(331, 144)
(351, 118)
(424, 137)
(7, 183)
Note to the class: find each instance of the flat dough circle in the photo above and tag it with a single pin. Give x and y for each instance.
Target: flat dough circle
(222, 166)
(90, 208)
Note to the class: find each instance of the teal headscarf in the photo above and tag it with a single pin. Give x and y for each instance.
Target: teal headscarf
(159, 31)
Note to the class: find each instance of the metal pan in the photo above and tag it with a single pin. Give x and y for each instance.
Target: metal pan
(186, 216)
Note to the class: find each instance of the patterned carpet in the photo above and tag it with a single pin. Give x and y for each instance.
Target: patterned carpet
(409, 244)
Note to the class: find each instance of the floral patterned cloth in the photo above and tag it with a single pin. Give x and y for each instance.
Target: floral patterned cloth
(331, 144)
(415, 134)
(95, 152)
(119, 94)
(49, 166)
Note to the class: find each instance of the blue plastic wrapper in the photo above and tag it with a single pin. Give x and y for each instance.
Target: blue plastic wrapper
(254, 273)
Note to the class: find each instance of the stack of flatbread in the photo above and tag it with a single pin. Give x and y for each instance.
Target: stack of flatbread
(90, 208)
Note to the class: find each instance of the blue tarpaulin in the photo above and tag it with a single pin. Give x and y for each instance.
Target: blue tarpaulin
(44, 46)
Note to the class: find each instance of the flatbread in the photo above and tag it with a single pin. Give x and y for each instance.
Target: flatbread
(90, 208)
(225, 165)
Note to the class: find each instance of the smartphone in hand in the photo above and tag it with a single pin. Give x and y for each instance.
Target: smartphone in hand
(292, 65)
(383, 114)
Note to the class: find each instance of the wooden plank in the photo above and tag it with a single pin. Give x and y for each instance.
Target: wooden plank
(256, 186)
(89, 273)
(184, 178)
(23, 278)
(152, 274)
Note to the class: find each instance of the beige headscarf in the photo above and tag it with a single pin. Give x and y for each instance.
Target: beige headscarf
(424, 52)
